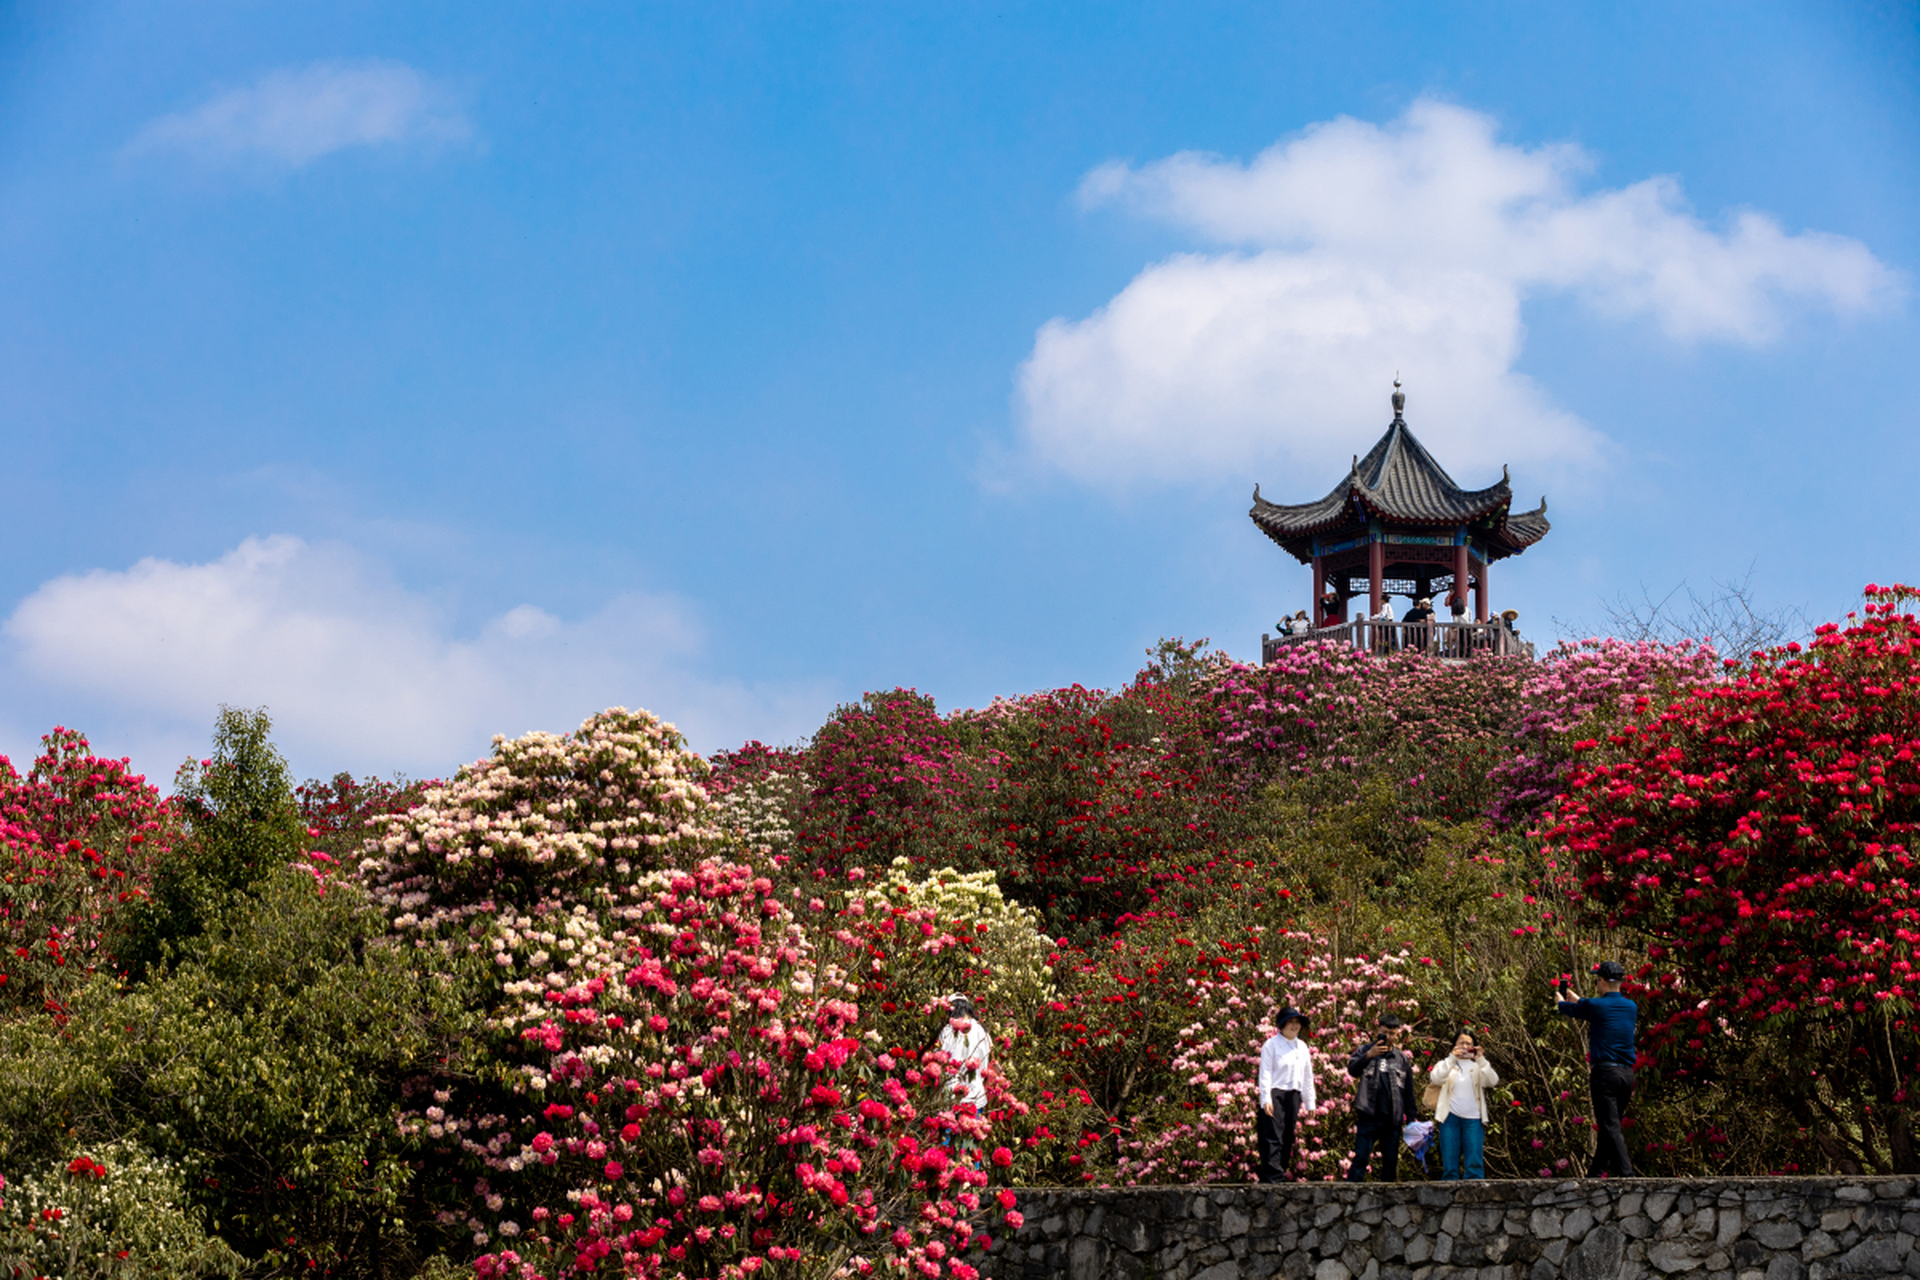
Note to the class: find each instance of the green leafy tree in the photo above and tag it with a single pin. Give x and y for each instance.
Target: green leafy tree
(242, 822)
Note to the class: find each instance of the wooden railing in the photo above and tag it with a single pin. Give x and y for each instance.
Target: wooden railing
(1454, 640)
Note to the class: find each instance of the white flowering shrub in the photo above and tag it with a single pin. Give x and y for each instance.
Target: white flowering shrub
(120, 1212)
(758, 814)
(546, 822)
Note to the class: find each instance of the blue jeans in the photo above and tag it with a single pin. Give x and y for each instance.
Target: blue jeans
(1462, 1140)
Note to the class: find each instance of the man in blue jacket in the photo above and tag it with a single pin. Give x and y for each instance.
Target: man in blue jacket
(1610, 1019)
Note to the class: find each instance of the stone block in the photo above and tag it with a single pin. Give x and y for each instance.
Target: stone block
(1873, 1256)
(1389, 1245)
(1233, 1222)
(1328, 1213)
(1576, 1224)
(1399, 1215)
(1699, 1226)
(1543, 1270)
(1819, 1245)
(1673, 1257)
(1639, 1226)
(1132, 1235)
(1358, 1231)
(1630, 1203)
(1597, 1257)
(1443, 1249)
(1853, 1195)
(1786, 1267)
(1544, 1224)
(1329, 1269)
(1450, 1220)
(1296, 1266)
(1333, 1240)
(1659, 1203)
(1087, 1260)
(1777, 1235)
(1555, 1251)
(1228, 1271)
(1892, 1190)
(1732, 1223)
(1419, 1249)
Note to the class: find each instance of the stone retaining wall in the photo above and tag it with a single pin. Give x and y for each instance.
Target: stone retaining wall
(1583, 1229)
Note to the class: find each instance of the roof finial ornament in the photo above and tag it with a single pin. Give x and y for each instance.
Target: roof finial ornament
(1399, 396)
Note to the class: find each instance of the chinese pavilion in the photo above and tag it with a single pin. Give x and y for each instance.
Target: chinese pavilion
(1399, 525)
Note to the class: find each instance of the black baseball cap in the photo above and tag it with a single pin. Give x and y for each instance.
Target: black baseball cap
(1610, 971)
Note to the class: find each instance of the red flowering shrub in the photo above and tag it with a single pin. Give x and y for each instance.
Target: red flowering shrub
(1585, 685)
(713, 1105)
(891, 778)
(1101, 805)
(1759, 832)
(79, 838)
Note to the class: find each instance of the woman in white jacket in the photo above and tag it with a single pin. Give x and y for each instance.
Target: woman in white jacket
(1464, 1076)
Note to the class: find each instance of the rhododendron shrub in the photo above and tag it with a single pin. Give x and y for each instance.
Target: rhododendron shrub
(891, 778)
(545, 823)
(1201, 1128)
(115, 1212)
(1582, 687)
(1102, 804)
(1760, 832)
(1324, 707)
(710, 1106)
(79, 839)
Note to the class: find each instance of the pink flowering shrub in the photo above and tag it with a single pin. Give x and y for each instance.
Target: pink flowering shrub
(1327, 707)
(1201, 1128)
(711, 1105)
(1573, 690)
(79, 838)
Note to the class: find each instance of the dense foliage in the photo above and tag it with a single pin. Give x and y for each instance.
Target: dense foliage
(596, 1005)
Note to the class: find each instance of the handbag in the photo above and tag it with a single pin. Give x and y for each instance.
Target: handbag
(1430, 1097)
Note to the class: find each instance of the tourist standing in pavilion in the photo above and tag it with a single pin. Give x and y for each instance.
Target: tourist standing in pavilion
(1610, 1018)
(1285, 1090)
(1384, 1100)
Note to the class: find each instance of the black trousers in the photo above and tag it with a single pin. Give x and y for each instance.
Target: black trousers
(1274, 1136)
(1612, 1087)
(1381, 1130)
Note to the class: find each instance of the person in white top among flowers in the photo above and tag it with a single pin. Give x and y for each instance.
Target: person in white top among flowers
(964, 1040)
(1464, 1076)
(1285, 1090)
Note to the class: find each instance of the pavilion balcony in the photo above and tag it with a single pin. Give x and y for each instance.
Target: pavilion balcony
(1449, 641)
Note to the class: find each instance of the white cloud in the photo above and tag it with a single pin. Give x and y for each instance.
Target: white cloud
(357, 671)
(293, 116)
(1354, 251)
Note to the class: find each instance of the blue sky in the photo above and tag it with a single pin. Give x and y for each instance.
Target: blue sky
(429, 371)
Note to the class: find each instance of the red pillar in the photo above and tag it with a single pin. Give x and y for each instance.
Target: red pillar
(1376, 576)
(1480, 594)
(1461, 573)
(1316, 608)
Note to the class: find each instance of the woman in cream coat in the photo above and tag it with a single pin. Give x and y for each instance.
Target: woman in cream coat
(1464, 1076)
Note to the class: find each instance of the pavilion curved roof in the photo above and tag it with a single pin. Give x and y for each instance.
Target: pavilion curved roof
(1399, 482)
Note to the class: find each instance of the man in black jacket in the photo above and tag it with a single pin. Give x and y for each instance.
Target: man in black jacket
(1384, 1100)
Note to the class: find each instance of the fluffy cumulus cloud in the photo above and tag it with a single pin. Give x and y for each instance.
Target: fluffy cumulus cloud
(1334, 259)
(295, 115)
(357, 671)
